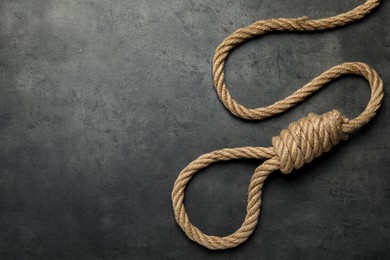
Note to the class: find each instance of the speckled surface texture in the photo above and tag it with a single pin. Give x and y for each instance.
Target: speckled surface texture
(102, 103)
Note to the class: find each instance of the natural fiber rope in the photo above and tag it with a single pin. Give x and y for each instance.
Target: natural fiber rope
(300, 143)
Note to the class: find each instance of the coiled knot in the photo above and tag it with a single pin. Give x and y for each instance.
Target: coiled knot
(308, 138)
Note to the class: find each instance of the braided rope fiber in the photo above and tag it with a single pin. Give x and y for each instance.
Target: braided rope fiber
(299, 143)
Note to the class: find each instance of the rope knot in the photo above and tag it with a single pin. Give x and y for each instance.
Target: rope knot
(308, 138)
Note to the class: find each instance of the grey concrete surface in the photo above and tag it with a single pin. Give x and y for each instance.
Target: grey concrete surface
(102, 103)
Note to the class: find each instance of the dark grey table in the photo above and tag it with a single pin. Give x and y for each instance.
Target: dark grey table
(102, 103)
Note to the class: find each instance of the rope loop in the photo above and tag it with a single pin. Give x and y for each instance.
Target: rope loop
(299, 143)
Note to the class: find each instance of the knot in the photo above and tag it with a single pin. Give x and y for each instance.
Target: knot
(307, 139)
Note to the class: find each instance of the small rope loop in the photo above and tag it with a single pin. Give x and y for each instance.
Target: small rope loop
(307, 139)
(300, 143)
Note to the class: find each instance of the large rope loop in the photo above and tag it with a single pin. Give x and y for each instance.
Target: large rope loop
(254, 193)
(296, 145)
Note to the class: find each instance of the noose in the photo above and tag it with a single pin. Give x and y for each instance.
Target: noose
(300, 143)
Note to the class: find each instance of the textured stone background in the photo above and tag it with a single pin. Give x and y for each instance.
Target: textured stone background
(102, 103)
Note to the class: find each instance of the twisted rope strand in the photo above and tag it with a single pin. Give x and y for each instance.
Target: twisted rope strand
(283, 24)
(300, 143)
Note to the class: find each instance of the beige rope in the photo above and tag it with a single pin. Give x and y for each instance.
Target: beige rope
(300, 143)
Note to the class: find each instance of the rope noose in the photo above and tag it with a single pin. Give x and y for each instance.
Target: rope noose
(300, 143)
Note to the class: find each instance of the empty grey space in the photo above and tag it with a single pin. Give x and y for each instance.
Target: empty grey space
(103, 103)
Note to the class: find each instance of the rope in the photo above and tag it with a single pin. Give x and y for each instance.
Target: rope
(300, 143)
